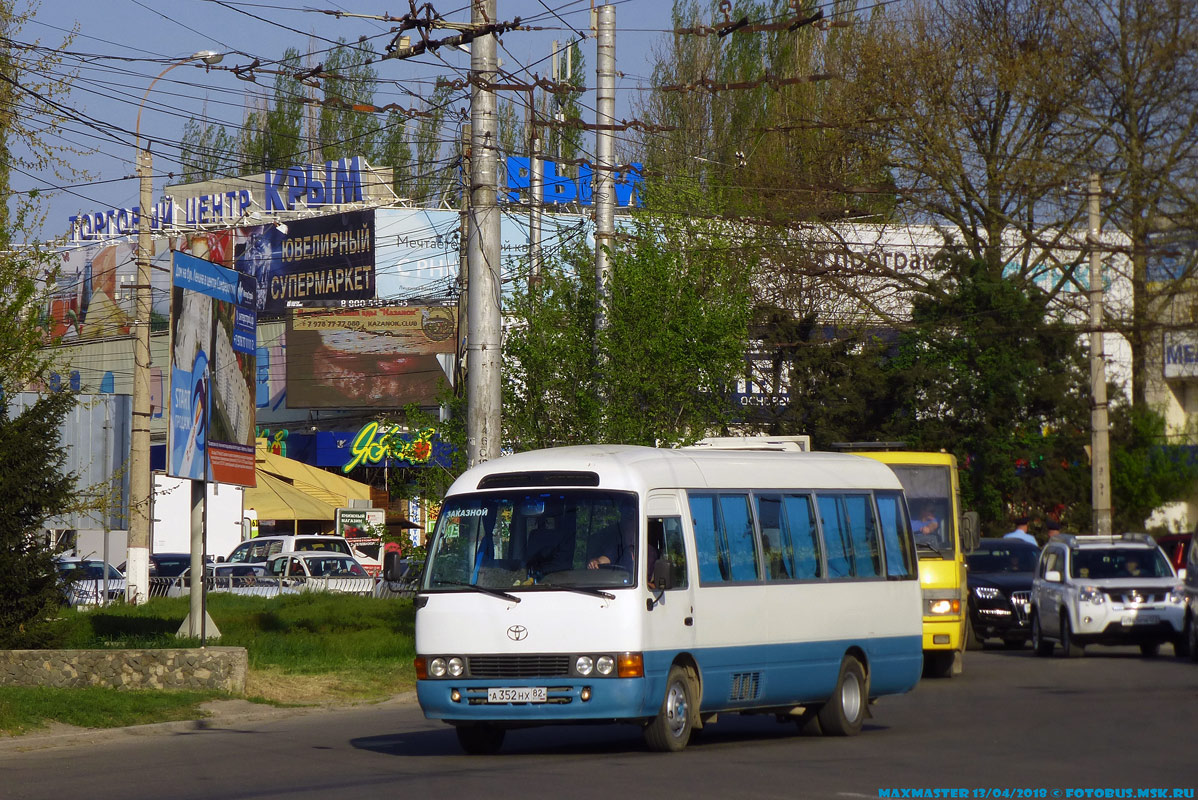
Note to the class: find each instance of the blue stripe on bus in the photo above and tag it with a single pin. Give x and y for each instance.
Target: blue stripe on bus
(766, 675)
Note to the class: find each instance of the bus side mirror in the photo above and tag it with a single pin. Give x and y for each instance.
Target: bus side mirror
(662, 575)
(394, 567)
(971, 526)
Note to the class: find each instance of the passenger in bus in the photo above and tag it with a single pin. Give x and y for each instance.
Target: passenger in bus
(615, 544)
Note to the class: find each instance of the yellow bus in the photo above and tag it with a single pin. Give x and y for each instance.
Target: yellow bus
(943, 534)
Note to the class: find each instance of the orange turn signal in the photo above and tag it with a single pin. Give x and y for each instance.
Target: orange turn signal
(630, 665)
(421, 665)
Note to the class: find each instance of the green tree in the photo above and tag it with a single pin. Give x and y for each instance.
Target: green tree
(350, 82)
(1146, 470)
(983, 373)
(208, 151)
(272, 136)
(658, 372)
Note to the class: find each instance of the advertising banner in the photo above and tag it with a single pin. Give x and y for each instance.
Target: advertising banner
(92, 296)
(353, 523)
(212, 373)
(319, 261)
(368, 357)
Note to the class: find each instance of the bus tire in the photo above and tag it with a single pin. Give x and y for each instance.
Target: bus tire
(480, 740)
(844, 713)
(670, 730)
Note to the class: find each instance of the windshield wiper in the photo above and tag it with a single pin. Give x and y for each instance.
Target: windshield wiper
(935, 550)
(484, 589)
(581, 590)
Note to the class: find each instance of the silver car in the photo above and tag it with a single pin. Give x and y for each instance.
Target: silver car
(1105, 590)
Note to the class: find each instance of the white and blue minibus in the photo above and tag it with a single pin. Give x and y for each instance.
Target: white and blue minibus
(614, 583)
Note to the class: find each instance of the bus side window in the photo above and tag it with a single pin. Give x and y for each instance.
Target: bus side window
(837, 543)
(802, 535)
(863, 529)
(739, 537)
(896, 538)
(712, 561)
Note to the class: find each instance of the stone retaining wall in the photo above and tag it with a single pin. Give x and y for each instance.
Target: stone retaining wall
(219, 668)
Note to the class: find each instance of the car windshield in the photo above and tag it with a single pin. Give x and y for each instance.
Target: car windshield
(333, 565)
(521, 539)
(1003, 559)
(927, 489)
(88, 570)
(1123, 562)
(322, 544)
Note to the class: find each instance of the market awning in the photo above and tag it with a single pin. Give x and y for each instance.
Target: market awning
(274, 498)
(325, 486)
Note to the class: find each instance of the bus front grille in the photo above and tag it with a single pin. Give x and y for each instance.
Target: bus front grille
(530, 666)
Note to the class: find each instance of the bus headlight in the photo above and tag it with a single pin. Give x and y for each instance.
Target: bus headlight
(584, 665)
(940, 602)
(456, 667)
(437, 668)
(605, 665)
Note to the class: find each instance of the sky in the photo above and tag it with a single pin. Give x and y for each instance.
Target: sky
(119, 47)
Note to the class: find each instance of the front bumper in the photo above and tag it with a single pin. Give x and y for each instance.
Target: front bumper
(610, 699)
(943, 633)
(1114, 623)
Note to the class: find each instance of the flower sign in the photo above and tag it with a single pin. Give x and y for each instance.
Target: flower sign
(376, 444)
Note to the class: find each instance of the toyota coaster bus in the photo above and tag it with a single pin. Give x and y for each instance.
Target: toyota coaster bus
(663, 587)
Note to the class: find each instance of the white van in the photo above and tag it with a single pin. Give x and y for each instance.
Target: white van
(257, 551)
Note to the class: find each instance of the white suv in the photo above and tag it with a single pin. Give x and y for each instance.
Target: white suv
(1105, 590)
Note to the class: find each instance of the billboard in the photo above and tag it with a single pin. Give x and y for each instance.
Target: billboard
(318, 261)
(368, 357)
(93, 292)
(213, 375)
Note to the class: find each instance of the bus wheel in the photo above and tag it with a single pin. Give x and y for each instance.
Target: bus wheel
(670, 730)
(844, 713)
(480, 740)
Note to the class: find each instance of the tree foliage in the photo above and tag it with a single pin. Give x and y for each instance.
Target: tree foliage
(658, 370)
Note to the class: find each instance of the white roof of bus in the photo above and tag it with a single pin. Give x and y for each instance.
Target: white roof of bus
(633, 467)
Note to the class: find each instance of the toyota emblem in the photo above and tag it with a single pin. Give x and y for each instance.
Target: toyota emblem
(517, 633)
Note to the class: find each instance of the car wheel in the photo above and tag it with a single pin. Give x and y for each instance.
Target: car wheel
(670, 730)
(1042, 646)
(1069, 647)
(480, 740)
(844, 713)
(1150, 649)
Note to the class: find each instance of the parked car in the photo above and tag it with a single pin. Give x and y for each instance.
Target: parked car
(259, 550)
(1189, 573)
(167, 565)
(1000, 590)
(83, 581)
(1105, 590)
(320, 571)
(245, 579)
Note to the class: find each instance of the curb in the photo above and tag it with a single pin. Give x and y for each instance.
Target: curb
(221, 714)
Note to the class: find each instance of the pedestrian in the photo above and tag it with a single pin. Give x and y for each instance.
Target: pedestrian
(1053, 527)
(1021, 533)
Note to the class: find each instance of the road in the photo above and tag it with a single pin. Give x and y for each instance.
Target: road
(1111, 720)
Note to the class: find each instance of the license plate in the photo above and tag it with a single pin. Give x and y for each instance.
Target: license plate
(1141, 619)
(517, 694)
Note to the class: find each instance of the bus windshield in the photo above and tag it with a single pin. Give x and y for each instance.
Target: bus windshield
(928, 491)
(534, 539)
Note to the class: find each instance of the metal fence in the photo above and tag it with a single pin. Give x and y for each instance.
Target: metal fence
(271, 586)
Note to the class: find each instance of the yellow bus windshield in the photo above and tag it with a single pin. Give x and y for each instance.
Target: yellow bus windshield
(929, 496)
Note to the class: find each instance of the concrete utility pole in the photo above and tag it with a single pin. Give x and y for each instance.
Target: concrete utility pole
(536, 190)
(463, 258)
(483, 404)
(1100, 455)
(604, 172)
(137, 555)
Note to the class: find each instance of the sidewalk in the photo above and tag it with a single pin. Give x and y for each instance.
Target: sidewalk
(219, 714)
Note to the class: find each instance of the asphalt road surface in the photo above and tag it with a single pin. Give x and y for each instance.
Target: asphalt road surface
(1110, 724)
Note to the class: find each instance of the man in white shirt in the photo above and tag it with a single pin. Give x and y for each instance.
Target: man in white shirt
(1021, 533)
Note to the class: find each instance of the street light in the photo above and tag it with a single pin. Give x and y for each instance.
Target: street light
(137, 558)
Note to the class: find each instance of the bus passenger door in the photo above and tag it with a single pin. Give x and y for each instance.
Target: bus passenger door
(670, 621)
